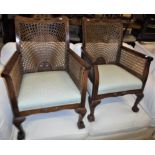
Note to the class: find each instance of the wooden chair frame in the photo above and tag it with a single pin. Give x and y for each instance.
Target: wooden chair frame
(95, 98)
(13, 80)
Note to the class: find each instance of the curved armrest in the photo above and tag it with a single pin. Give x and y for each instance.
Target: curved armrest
(78, 70)
(135, 62)
(78, 59)
(13, 74)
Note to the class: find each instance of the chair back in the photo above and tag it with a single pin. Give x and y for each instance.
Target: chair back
(43, 43)
(102, 38)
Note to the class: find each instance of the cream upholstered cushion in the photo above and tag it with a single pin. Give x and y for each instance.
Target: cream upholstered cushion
(46, 89)
(113, 78)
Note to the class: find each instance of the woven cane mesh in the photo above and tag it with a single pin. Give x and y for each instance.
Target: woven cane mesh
(76, 71)
(133, 62)
(42, 44)
(16, 75)
(103, 39)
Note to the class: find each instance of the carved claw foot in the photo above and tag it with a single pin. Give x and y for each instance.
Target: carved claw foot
(91, 118)
(81, 112)
(17, 122)
(135, 109)
(21, 135)
(80, 125)
(92, 105)
(138, 99)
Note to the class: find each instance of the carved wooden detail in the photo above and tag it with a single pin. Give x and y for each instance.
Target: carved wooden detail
(81, 112)
(138, 99)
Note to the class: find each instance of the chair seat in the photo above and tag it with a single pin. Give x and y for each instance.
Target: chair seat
(113, 78)
(47, 89)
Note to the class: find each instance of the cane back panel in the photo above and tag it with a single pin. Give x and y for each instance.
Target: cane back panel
(42, 43)
(102, 38)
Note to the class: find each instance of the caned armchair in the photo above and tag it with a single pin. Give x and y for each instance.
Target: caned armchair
(44, 75)
(115, 70)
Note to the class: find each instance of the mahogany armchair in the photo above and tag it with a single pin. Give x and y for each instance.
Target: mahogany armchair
(115, 70)
(44, 75)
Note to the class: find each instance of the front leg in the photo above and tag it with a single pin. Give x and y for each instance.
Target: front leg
(17, 122)
(138, 99)
(81, 112)
(92, 105)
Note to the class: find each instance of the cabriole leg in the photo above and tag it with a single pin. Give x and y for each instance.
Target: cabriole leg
(138, 99)
(92, 105)
(81, 112)
(17, 122)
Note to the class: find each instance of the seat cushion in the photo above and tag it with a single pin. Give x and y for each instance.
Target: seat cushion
(46, 89)
(113, 78)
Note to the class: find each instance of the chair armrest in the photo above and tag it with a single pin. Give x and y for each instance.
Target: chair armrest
(135, 62)
(13, 74)
(77, 58)
(78, 70)
(91, 60)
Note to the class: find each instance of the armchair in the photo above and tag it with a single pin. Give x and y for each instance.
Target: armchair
(44, 75)
(115, 70)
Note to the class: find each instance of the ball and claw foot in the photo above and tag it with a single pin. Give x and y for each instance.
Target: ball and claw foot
(91, 118)
(21, 135)
(135, 109)
(81, 125)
